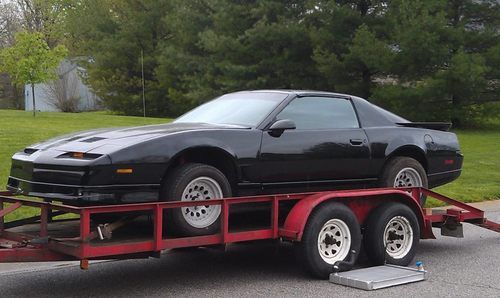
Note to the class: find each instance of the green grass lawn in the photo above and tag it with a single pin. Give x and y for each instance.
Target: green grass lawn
(480, 178)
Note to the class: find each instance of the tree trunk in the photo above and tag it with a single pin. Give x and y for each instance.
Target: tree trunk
(17, 97)
(363, 7)
(33, 95)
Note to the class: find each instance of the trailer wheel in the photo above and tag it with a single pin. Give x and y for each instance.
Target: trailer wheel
(194, 182)
(404, 171)
(391, 235)
(330, 234)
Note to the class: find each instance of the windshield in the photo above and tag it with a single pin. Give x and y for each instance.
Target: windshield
(242, 108)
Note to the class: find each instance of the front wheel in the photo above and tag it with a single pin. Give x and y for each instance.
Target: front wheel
(194, 182)
(391, 234)
(331, 233)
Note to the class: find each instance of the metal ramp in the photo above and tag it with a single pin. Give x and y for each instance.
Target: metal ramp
(378, 277)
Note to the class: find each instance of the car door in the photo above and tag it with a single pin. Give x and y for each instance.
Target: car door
(326, 147)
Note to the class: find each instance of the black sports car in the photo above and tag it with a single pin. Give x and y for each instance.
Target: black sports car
(243, 143)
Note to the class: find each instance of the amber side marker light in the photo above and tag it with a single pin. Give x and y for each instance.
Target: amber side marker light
(77, 154)
(80, 155)
(124, 171)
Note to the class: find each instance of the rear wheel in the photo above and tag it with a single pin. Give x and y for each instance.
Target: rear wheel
(391, 235)
(194, 182)
(331, 233)
(404, 172)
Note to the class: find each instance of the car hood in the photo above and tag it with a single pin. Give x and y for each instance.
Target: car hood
(121, 137)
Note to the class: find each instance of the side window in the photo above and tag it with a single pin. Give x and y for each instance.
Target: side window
(320, 113)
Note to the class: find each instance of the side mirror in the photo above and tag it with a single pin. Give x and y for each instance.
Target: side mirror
(278, 127)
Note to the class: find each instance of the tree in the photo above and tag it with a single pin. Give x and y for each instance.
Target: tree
(446, 67)
(350, 43)
(44, 16)
(10, 23)
(354, 72)
(424, 59)
(31, 61)
(220, 46)
(193, 50)
(112, 34)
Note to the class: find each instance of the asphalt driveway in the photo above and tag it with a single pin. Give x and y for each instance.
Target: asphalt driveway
(457, 267)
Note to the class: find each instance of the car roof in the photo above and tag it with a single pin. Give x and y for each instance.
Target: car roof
(370, 115)
(299, 92)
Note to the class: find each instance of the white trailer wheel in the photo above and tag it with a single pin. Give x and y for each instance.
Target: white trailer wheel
(331, 234)
(391, 234)
(334, 241)
(398, 237)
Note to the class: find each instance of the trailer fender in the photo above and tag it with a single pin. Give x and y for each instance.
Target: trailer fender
(360, 202)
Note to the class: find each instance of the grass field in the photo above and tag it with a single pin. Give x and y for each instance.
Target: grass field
(480, 179)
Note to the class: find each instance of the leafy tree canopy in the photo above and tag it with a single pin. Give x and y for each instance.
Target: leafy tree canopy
(30, 60)
(424, 59)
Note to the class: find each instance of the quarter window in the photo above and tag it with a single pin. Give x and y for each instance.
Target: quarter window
(320, 113)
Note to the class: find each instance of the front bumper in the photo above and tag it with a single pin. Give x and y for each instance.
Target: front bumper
(85, 194)
(44, 175)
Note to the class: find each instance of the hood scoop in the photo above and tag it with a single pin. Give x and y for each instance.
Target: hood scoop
(30, 151)
(92, 140)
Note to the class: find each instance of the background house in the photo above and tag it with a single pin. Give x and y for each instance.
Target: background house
(67, 93)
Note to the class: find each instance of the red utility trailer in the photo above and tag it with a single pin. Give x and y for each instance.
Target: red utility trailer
(328, 227)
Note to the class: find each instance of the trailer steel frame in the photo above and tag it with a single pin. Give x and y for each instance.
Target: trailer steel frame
(17, 246)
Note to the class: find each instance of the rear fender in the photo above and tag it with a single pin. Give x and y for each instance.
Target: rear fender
(361, 202)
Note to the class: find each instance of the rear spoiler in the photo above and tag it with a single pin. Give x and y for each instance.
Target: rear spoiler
(444, 126)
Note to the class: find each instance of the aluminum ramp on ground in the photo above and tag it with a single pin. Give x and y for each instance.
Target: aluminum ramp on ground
(378, 277)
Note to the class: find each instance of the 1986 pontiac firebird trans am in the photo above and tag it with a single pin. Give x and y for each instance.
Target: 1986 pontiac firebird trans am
(243, 143)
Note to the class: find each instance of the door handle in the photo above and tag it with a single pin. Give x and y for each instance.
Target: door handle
(356, 142)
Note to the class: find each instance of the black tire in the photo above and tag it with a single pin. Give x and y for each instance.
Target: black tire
(398, 215)
(397, 164)
(308, 250)
(173, 188)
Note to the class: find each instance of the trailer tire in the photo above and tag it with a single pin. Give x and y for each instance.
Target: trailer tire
(402, 171)
(192, 182)
(328, 222)
(386, 222)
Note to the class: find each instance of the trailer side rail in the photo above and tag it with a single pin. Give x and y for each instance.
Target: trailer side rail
(17, 246)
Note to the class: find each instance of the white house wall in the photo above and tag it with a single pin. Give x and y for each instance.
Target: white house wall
(41, 101)
(88, 100)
